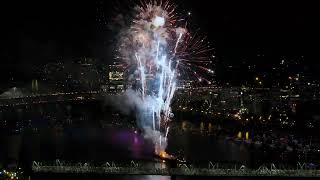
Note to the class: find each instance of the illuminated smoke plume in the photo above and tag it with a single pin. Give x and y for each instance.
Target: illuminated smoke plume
(154, 46)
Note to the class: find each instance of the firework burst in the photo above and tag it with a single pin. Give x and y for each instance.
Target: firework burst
(157, 48)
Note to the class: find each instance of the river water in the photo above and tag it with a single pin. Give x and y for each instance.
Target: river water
(117, 142)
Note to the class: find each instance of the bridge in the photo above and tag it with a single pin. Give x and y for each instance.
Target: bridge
(180, 169)
(49, 98)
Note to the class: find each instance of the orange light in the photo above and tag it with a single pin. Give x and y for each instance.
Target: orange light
(164, 155)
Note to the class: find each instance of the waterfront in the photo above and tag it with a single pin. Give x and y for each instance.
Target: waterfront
(90, 132)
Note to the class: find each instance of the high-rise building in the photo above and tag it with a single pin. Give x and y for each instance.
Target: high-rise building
(116, 78)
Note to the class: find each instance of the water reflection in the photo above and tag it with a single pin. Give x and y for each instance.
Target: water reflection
(201, 127)
(184, 125)
(247, 135)
(239, 135)
(193, 141)
(210, 128)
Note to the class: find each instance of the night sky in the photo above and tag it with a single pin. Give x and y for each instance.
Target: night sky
(37, 33)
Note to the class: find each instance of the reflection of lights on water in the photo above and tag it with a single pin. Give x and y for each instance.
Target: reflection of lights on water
(135, 140)
(239, 135)
(210, 127)
(184, 126)
(201, 126)
(155, 177)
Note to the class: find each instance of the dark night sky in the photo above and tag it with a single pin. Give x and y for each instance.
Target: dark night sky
(36, 33)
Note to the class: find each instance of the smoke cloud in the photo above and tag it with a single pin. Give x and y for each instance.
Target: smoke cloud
(131, 101)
